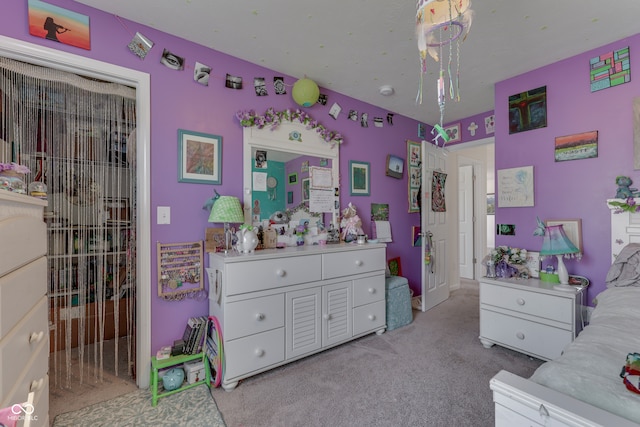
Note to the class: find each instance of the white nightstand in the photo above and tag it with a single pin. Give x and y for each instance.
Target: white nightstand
(528, 316)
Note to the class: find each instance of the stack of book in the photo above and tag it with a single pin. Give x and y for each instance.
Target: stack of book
(194, 333)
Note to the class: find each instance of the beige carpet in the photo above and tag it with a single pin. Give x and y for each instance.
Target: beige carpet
(433, 372)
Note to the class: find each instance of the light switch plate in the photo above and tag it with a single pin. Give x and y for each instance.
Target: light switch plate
(164, 215)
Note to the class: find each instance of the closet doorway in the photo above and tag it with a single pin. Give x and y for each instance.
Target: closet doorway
(475, 186)
(106, 218)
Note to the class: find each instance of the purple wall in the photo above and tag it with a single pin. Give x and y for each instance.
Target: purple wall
(577, 188)
(180, 103)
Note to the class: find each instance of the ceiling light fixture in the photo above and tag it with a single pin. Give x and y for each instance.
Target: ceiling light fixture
(440, 23)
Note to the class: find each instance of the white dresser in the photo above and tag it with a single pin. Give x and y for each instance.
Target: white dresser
(278, 305)
(24, 331)
(529, 316)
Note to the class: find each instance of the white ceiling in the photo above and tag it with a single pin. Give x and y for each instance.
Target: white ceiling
(355, 46)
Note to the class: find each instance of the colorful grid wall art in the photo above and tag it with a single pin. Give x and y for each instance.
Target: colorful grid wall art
(610, 69)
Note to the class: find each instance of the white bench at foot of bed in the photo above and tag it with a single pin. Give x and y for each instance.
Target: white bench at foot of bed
(520, 402)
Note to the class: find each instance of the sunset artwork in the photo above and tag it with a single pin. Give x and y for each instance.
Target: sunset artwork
(577, 146)
(58, 24)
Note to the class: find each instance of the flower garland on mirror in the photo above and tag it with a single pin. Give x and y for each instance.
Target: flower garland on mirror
(272, 119)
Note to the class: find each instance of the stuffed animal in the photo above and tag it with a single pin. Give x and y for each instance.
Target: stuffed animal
(351, 224)
(624, 191)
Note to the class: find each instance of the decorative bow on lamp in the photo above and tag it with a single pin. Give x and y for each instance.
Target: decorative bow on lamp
(227, 209)
(557, 243)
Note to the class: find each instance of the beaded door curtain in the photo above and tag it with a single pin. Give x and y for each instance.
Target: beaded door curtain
(77, 136)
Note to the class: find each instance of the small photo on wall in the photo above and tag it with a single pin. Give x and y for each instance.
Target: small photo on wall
(233, 82)
(201, 73)
(278, 86)
(260, 86)
(395, 166)
(171, 60)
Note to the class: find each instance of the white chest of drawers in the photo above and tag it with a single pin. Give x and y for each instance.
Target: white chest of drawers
(278, 305)
(528, 316)
(24, 331)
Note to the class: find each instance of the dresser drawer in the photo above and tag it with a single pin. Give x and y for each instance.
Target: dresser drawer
(252, 276)
(19, 291)
(529, 337)
(33, 379)
(369, 317)
(18, 346)
(339, 264)
(368, 290)
(253, 316)
(29, 235)
(533, 303)
(245, 355)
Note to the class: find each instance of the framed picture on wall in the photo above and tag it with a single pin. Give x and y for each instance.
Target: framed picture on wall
(293, 178)
(453, 132)
(359, 179)
(199, 157)
(395, 166)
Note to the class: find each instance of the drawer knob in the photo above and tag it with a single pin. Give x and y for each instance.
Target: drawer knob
(520, 301)
(359, 262)
(520, 335)
(326, 316)
(372, 290)
(36, 337)
(260, 316)
(259, 352)
(280, 272)
(372, 317)
(36, 384)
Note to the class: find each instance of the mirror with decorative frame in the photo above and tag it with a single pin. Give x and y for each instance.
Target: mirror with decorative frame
(289, 173)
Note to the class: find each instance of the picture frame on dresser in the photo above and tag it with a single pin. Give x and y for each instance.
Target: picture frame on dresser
(533, 264)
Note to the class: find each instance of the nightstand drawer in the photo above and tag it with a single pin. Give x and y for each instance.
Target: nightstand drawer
(254, 315)
(536, 304)
(529, 337)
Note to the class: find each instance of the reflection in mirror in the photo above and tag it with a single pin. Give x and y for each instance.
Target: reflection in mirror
(287, 176)
(281, 183)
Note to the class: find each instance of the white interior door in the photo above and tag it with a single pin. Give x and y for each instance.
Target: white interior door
(465, 220)
(435, 277)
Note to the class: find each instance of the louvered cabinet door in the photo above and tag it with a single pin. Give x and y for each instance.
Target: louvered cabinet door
(303, 322)
(337, 316)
